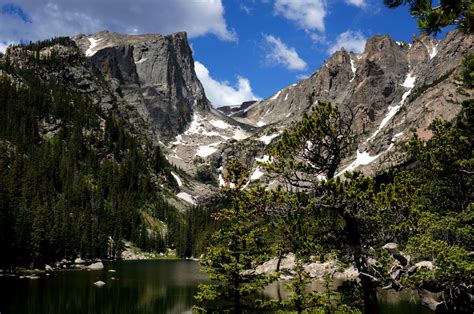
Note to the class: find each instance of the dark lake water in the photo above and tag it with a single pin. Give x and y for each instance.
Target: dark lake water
(159, 286)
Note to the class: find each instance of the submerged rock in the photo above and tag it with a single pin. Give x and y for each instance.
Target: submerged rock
(32, 277)
(99, 283)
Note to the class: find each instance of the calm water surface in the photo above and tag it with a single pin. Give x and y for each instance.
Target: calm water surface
(163, 286)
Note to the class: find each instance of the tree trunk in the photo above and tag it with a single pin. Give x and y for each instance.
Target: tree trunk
(368, 286)
(280, 257)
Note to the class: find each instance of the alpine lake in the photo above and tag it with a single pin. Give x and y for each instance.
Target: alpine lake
(149, 286)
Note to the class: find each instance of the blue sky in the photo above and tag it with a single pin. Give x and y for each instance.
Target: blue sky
(243, 49)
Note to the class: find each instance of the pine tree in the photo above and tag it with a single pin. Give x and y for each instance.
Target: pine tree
(236, 248)
(314, 148)
(432, 18)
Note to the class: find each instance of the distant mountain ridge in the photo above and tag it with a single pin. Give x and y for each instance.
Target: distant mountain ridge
(395, 88)
(150, 81)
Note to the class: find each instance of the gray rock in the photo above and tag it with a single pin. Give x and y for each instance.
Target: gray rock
(96, 266)
(48, 268)
(375, 86)
(79, 261)
(152, 73)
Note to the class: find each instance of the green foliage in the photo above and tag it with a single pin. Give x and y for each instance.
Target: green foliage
(236, 249)
(436, 223)
(74, 180)
(432, 18)
(467, 73)
(205, 174)
(315, 146)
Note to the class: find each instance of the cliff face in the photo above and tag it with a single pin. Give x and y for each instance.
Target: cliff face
(394, 88)
(153, 73)
(149, 81)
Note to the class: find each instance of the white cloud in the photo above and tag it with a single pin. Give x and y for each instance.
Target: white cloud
(350, 40)
(69, 17)
(357, 3)
(279, 53)
(220, 93)
(317, 38)
(307, 14)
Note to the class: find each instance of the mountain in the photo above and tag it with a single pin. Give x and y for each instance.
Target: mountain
(104, 127)
(394, 88)
(82, 167)
(154, 74)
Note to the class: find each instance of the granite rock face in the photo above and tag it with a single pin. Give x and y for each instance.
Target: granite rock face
(152, 73)
(394, 88)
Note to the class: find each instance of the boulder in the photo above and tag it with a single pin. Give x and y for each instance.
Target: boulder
(425, 264)
(96, 266)
(48, 268)
(392, 248)
(78, 261)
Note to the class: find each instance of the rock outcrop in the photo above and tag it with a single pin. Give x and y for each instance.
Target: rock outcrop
(152, 73)
(393, 87)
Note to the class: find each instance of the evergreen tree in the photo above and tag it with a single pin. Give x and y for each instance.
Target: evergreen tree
(236, 249)
(432, 17)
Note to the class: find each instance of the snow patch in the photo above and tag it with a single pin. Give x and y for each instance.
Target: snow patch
(362, 159)
(286, 97)
(90, 51)
(178, 140)
(353, 68)
(409, 81)
(268, 138)
(260, 123)
(186, 197)
(206, 150)
(265, 158)
(196, 126)
(141, 60)
(276, 95)
(178, 179)
(434, 51)
(397, 135)
(257, 174)
(392, 110)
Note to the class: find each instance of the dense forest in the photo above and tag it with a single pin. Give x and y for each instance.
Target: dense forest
(73, 179)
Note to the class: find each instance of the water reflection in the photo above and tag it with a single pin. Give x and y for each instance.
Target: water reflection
(139, 287)
(165, 286)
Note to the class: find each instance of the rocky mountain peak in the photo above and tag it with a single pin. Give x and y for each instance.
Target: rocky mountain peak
(152, 73)
(395, 88)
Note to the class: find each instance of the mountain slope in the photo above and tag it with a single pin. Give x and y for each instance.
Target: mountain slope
(152, 73)
(79, 176)
(393, 87)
